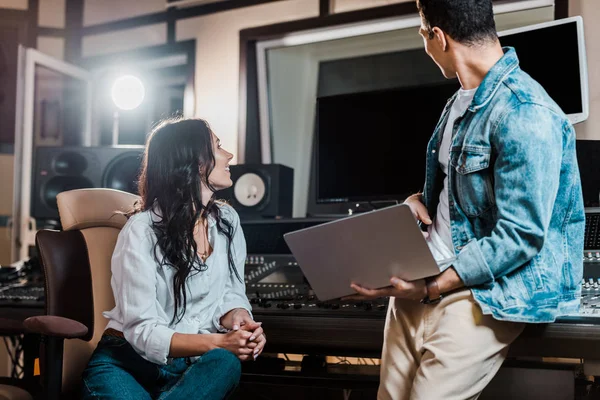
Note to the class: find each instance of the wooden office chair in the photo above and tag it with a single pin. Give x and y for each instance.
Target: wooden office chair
(76, 262)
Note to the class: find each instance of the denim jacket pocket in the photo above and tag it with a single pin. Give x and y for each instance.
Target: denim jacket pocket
(473, 181)
(533, 274)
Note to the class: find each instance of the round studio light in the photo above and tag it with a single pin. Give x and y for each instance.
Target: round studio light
(128, 92)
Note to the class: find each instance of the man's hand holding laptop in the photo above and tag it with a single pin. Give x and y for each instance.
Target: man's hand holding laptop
(413, 290)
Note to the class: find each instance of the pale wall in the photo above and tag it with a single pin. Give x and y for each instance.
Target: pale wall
(52, 46)
(100, 11)
(217, 58)
(52, 13)
(16, 4)
(351, 5)
(590, 11)
(119, 41)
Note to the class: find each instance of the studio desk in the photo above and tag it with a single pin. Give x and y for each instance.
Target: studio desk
(296, 322)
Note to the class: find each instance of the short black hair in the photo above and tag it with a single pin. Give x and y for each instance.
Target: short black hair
(466, 21)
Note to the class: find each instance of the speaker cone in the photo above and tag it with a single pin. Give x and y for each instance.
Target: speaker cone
(123, 172)
(70, 163)
(249, 190)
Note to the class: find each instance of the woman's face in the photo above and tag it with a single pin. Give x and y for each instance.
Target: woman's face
(220, 177)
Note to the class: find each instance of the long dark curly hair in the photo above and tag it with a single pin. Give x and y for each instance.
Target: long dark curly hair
(178, 158)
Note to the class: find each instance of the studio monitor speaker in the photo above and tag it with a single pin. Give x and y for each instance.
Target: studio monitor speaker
(58, 169)
(260, 190)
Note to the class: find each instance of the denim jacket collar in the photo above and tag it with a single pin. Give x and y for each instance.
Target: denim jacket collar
(494, 78)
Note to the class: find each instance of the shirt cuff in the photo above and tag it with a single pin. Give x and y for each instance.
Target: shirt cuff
(471, 266)
(159, 345)
(224, 309)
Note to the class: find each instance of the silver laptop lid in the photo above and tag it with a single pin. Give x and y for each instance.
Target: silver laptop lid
(367, 249)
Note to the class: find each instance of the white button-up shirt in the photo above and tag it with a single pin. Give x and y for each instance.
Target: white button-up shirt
(143, 289)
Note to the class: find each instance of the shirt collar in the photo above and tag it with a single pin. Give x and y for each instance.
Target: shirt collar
(494, 78)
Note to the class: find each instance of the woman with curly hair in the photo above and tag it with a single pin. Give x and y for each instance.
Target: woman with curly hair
(181, 322)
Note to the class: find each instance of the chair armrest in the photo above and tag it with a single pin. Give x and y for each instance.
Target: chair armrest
(50, 325)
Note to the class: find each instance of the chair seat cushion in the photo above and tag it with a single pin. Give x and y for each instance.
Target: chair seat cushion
(13, 393)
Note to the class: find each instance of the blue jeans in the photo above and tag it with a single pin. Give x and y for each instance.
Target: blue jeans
(116, 371)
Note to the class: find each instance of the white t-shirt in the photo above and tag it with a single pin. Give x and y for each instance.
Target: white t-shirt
(440, 238)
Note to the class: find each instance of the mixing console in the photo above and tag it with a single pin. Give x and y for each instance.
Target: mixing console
(298, 322)
(22, 294)
(275, 285)
(592, 230)
(591, 256)
(590, 299)
(590, 286)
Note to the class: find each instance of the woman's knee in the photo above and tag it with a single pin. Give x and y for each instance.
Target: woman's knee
(226, 361)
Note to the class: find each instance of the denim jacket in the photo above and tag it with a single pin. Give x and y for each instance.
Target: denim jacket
(516, 207)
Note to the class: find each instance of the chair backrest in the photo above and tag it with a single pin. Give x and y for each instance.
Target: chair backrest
(65, 260)
(94, 216)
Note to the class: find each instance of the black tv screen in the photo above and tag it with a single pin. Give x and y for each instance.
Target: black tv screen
(588, 160)
(372, 145)
(551, 56)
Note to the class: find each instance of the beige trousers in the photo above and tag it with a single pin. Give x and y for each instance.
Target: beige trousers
(444, 351)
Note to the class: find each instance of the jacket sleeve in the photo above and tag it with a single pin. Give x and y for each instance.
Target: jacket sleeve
(134, 285)
(528, 141)
(235, 290)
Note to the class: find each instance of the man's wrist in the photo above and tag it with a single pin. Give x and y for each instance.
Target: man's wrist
(449, 280)
(434, 294)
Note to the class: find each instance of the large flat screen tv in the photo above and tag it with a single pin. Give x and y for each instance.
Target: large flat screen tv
(371, 145)
(553, 53)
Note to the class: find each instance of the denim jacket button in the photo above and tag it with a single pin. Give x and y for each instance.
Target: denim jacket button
(433, 151)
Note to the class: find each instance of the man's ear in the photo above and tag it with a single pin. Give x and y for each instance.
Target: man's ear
(440, 37)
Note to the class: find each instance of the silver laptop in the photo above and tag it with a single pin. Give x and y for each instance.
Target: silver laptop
(367, 249)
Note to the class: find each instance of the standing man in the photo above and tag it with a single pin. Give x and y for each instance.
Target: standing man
(503, 198)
